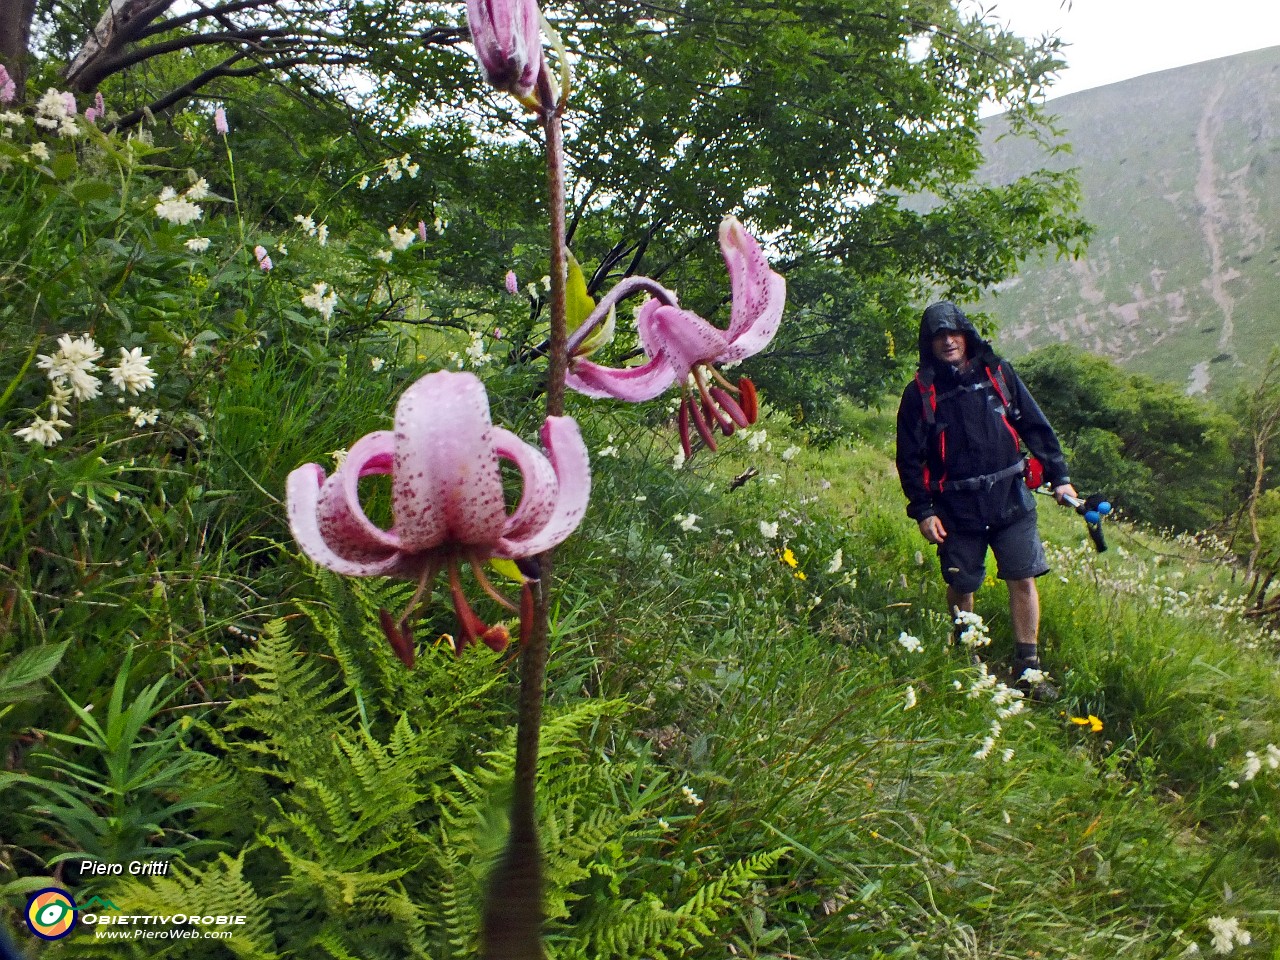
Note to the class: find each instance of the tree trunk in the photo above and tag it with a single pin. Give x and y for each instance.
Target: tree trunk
(119, 25)
(15, 34)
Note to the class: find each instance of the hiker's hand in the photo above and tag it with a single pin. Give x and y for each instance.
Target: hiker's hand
(932, 529)
(1065, 490)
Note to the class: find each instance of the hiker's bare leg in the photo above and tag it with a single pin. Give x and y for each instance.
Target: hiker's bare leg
(1024, 610)
(958, 601)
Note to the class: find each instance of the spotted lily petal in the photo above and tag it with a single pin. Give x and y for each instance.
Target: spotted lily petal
(446, 483)
(686, 338)
(303, 497)
(758, 292)
(568, 456)
(633, 384)
(342, 520)
(538, 499)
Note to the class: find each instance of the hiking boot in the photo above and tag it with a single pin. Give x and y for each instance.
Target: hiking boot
(1029, 677)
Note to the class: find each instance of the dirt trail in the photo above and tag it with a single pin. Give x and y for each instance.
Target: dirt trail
(1212, 214)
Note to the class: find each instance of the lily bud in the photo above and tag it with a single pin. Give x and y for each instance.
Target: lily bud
(507, 35)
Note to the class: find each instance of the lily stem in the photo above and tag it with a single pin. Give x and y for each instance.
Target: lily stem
(514, 908)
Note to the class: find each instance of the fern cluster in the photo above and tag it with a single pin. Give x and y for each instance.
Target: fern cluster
(366, 804)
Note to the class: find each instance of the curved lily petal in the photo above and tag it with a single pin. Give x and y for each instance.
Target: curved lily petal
(633, 384)
(345, 526)
(541, 488)
(302, 494)
(758, 292)
(446, 483)
(686, 338)
(568, 456)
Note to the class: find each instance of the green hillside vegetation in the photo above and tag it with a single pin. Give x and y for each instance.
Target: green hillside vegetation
(1180, 177)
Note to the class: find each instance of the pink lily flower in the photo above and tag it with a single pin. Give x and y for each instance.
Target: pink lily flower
(684, 349)
(508, 39)
(446, 500)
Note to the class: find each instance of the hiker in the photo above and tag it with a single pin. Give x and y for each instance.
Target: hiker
(961, 425)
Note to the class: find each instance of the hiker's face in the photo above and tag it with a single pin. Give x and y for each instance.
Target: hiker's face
(949, 347)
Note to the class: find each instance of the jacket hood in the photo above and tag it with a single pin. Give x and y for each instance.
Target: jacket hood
(941, 316)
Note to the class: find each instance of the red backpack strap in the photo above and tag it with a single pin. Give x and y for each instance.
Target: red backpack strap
(1002, 391)
(928, 400)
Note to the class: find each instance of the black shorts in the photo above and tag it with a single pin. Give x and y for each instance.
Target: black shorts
(1019, 554)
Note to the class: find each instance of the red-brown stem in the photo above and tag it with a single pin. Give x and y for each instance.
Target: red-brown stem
(514, 909)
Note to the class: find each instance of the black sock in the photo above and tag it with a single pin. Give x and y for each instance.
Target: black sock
(1028, 652)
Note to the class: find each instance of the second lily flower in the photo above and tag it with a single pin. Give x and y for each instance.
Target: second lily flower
(684, 349)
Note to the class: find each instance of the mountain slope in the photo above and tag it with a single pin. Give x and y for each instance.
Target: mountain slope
(1181, 178)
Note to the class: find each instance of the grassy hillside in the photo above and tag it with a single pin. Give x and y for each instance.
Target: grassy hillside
(1181, 176)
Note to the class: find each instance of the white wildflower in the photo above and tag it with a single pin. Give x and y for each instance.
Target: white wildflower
(42, 431)
(39, 151)
(307, 224)
(59, 396)
(910, 643)
(1273, 756)
(1252, 765)
(791, 452)
(400, 239)
(677, 462)
(690, 797)
(322, 234)
(143, 418)
(757, 439)
(688, 522)
(134, 372)
(197, 244)
(837, 561)
(910, 699)
(768, 530)
(177, 210)
(198, 190)
(321, 301)
(383, 255)
(1227, 933)
(377, 363)
(83, 385)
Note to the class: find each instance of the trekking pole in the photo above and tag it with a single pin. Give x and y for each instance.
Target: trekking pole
(1093, 509)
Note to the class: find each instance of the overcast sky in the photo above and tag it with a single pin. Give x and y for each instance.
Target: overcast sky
(1112, 40)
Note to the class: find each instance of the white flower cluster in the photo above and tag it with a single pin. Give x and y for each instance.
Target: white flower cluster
(688, 522)
(181, 209)
(56, 111)
(312, 229)
(71, 371)
(1228, 934)
(1007, 701)
(910, 644)
(320, 301)
(973, 631)
(1253, 763)
(393, 168)
(400, 239)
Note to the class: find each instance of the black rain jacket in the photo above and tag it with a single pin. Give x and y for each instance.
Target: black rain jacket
(963, 468)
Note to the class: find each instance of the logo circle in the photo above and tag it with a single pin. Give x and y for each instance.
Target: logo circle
(51, 913)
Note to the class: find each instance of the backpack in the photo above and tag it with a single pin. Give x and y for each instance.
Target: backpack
(1006, 409)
